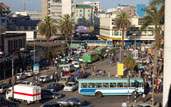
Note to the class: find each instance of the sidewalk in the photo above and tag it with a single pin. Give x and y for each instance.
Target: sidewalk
(50, 68)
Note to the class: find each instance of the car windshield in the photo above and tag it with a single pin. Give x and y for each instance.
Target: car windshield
(144, 106)
(42, 77)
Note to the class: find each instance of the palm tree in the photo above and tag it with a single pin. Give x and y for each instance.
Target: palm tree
(122, 22)
(66, 26)
(47, 27)
(161, 4)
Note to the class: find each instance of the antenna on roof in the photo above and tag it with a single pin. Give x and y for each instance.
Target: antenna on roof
(24, 5)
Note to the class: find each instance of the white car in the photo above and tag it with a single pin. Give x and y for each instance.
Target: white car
(70, 86)
(28, 73)
(77, 65)
(44, 78)
(20, 76)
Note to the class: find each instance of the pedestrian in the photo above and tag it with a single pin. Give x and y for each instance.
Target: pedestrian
(111, 62)
(143, 97)
(104, 73)
(109, 74)
(124, 104)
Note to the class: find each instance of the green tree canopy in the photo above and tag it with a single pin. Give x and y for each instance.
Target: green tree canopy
(47, 27)
(129, 63)
(66, 26)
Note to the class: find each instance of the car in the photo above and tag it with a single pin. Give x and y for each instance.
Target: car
(3, 88)
(51, 105)
(7, 103)
(64, 80)
(25, 82)
(70, 102)
(144, 105)
(46, 94)
(77, 64)
(70, 86)
(29, 73)
(44, 78)
(68, 67)
(20, 76)
(54, 86)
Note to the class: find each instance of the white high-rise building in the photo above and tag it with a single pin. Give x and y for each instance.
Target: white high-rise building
(57, 8)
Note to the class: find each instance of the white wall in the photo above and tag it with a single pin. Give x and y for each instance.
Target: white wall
(66, 7)
(167, 53)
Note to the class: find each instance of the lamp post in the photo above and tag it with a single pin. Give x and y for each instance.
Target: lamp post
(134, 34)
(22, 49)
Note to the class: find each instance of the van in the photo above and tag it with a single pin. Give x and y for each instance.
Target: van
(68, 67)
(44, 78)
(64, 80)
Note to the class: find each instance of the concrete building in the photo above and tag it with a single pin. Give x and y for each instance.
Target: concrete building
(57, 8)
(95, 5)
(33, 15)
(105, 28)
(4, 9)
(12, 42)
(84, 15)
(130, 10)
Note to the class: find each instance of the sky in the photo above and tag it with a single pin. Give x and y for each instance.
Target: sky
(35, 5)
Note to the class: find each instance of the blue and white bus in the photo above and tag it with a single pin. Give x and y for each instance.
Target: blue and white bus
(102, 87)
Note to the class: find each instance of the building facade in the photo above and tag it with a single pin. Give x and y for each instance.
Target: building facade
(33, 15)
(57, 8)
(95, 5)
(84, 15)
(105, 28)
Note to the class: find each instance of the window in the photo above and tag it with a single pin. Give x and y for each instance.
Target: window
(25, 28)
(21, 43)
(80, 15)
(88, 10)
(112, 85)
(132, 84)
(80, 10)
(32, 27)
(17, 44)
(98, 85)
(125, 84)
(120, 84)
(89, 15)
(11, 45)
(84, 85)
(91, 85)
(105, 85)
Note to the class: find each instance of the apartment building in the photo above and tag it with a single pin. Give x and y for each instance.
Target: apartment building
(105, 28)
(95, 5)
(33, 15)
(84, 15)
(57, 8)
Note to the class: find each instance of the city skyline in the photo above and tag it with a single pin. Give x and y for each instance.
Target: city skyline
(35, 5)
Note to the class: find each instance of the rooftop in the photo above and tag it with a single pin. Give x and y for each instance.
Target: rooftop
(83, 6)
(27, 22)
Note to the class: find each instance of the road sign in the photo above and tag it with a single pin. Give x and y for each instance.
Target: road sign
(36, 68)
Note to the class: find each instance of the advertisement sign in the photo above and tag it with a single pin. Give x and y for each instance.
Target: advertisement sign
(120, 68)
(36, 68)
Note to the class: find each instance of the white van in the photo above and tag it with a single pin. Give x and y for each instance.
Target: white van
(44, 78)
(25, 93)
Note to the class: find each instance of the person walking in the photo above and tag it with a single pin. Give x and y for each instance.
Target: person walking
(144, 97)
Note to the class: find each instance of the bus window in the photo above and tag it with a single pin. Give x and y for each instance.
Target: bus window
(98, 85)
(91, 85)
(83, 85)
(120, 84)
(112, 85)
(105, 85)
(125, 84)
(132, 84)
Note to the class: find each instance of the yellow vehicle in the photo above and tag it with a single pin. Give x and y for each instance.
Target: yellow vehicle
(64, 80)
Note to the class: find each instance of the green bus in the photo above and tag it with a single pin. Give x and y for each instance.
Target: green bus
(101, 50)
(90, 57)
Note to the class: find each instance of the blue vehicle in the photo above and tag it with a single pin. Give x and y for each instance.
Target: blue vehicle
(117, 86)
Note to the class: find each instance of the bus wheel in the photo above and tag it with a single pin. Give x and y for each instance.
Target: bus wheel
(135, 93)
(98, 94)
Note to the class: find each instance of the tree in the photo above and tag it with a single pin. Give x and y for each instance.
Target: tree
(47, 27)
(66, 26)
(129, 63)
(122, 22)
(161, 4)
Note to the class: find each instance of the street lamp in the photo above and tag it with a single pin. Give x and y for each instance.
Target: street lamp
(21, 49)
(134, 34)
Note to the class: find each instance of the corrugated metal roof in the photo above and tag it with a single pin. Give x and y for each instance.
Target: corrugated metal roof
(27, 22)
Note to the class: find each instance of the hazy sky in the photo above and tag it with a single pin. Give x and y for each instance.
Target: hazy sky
(35, 5)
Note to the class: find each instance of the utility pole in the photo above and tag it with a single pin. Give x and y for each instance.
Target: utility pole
(24, 5)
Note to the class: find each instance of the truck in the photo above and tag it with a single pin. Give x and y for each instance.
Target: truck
(24, 93)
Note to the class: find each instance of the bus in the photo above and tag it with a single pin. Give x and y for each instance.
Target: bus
(116, 86)
(76, 44)
(104, 43)
(90, 57)
(101, 50)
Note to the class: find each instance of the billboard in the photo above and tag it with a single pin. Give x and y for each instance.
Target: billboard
(140, 10)
(120, 68)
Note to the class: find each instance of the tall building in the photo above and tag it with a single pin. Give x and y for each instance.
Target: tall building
(84, 15)
(95, 5)
(57, 8)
